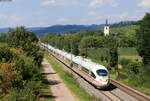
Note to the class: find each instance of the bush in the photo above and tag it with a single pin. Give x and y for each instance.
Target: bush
(134, 67)
(20, 95)
(6, 55)
(19, 67)
(144, 76)
(124, 61)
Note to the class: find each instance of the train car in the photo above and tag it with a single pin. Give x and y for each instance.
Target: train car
(96, 74)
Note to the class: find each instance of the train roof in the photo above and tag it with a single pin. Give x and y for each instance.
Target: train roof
(86, 63)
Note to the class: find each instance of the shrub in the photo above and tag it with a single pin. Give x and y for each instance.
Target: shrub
(134, 67)
(124, 61)
(25, 94)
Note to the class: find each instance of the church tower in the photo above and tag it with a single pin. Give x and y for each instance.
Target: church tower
(106, 29)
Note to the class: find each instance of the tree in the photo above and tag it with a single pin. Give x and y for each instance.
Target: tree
(27, 41)
(112, 44)
(143, 39)
(21, 38)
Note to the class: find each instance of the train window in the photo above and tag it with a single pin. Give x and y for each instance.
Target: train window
(93, 75)
(101, 72)
(85, 70)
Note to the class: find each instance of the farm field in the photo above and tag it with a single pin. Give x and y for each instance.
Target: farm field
(127, 53)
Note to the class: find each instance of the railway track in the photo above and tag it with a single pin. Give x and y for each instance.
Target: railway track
(128, 94)
(111, 96)
(138, 95)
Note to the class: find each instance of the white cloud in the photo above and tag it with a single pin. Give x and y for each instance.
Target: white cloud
(63, 20)
(144, 3)
(48, 2)
(99, 3)
(96, 3)
(59, 3)
(92, 13)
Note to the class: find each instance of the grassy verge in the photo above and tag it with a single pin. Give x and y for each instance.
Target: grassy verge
(132, 84)
(69, 80)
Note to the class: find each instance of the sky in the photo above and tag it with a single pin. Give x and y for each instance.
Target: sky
(41, 13)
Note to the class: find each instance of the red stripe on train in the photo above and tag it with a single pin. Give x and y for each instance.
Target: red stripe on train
(93, 79)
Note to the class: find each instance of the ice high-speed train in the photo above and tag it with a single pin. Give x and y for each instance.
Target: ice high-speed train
(95, 73)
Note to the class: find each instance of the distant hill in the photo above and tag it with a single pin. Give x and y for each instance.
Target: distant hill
(124, 27)
(59, 29)
(119, 27)
(3, 30)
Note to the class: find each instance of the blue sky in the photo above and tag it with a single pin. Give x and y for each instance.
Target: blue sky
(34, 13)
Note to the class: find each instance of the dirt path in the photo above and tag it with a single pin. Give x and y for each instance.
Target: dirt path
(59, 89)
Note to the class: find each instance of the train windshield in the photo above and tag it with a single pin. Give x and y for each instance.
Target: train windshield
(102, 72)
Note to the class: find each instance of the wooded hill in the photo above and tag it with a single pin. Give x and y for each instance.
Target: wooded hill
(63, 29)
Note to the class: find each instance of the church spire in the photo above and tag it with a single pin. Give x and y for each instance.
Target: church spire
(106, 24)
(106, 28)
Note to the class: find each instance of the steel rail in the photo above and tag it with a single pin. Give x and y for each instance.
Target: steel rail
(138, 95)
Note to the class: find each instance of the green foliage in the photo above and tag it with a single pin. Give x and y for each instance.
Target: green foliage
(3, 38)
(113, 57)
(5, 54)
(128, 51)
(124, 61)
(125, 23)
(21, 95)
(134, 67)
(27, 41)
(16, 70)
(112, 44)
(21, 37)
(143, 39)
(89, 42)
(19, 66)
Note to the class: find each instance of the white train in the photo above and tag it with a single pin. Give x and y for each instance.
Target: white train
(95, 73)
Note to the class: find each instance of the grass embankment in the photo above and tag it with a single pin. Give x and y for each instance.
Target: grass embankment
(69, 80)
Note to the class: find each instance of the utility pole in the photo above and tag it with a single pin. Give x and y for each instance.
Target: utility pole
(71, 46)
(86, 50)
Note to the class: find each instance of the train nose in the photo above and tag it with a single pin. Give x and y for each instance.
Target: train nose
(103, 80)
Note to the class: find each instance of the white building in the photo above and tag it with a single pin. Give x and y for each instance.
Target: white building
(106, 29)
